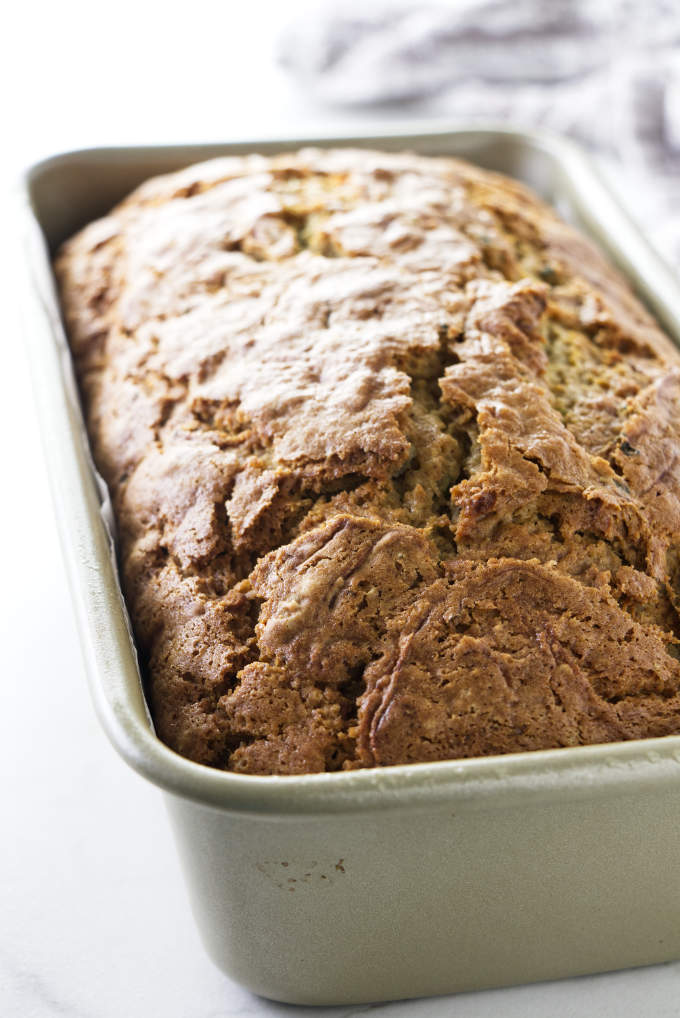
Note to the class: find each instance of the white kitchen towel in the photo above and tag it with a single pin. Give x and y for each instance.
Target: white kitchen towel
(606, 72)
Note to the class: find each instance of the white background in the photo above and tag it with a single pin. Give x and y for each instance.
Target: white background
(94, 919)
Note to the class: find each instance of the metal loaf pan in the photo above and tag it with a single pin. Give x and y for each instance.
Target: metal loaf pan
(376, 884)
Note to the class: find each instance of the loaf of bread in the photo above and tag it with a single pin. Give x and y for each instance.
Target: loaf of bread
(394, 456)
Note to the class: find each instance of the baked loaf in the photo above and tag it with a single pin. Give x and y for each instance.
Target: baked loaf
(394, 459)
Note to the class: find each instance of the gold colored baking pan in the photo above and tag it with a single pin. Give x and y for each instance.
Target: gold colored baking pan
(375, 884)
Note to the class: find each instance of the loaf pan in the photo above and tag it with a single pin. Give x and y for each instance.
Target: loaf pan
(376, 884)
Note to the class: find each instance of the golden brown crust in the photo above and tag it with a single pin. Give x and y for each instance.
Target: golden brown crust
(394, 460)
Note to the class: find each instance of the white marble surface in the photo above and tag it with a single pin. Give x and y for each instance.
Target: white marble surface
(94, 919)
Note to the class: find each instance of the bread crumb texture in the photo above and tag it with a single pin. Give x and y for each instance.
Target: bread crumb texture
(393, 454)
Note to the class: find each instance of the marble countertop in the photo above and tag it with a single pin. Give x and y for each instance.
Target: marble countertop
(95, 918)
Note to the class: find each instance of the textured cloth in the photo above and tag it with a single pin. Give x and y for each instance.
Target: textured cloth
(606, 72)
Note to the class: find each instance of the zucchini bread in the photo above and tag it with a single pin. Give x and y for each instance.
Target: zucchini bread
(394, 456)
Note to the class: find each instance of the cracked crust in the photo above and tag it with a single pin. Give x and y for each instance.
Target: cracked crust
(393, 454)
